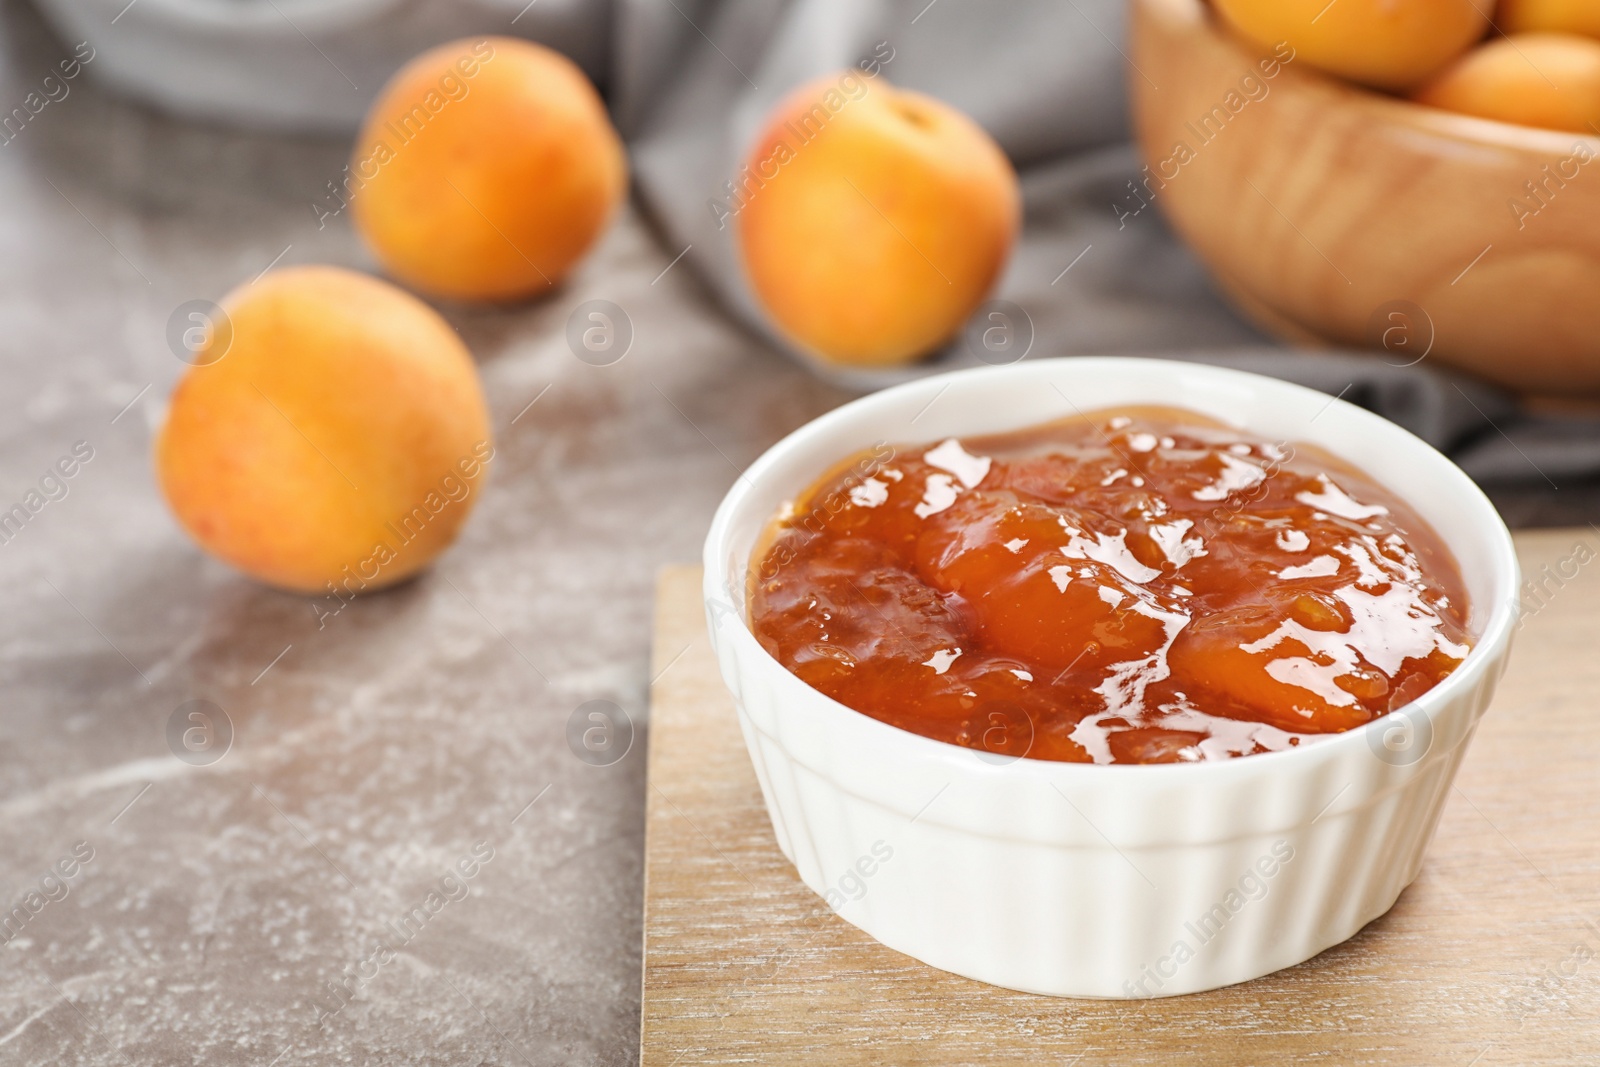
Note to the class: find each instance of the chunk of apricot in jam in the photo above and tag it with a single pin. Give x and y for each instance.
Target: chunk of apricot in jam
(1133, 587)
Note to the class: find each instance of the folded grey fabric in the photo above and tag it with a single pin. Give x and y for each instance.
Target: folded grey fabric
(692, 80)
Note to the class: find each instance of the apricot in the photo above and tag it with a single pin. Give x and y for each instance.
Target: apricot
(871, 221)
(339, 439)
(1022, 570)
(1532, 79)
(1288, 674)
(1387, 44)
(485, 170)
(1551, 16)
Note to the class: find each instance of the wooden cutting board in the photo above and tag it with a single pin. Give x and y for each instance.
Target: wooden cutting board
(1492, 957)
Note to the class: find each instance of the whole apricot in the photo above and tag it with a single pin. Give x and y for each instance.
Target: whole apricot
(331, 436)
(871, 221)
(1550, 16)
(485, 170)
(1532, 79)
(1387, 44)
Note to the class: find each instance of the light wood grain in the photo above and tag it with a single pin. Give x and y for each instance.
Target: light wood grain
(1320, 203)
(743, 964)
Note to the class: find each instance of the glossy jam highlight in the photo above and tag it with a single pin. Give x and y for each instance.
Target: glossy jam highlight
(1136, 586)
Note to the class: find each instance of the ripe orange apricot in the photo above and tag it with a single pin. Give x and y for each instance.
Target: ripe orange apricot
(1533, 79)
(1388, 44)
(1549, 16)
(485, 170)
(871, 221)
(333, 433)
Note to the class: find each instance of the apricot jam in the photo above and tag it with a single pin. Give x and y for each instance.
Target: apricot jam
(1137, 586)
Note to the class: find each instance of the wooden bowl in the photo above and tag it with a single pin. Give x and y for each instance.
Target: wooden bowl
(1333, 214)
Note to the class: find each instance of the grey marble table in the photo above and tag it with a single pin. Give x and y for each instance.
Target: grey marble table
(254, 909)
(223, 903)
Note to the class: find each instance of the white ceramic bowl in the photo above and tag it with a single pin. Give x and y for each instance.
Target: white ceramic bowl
(1105, 881)
(296, 64)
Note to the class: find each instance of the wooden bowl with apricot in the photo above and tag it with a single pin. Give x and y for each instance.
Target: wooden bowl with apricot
(1293, 150)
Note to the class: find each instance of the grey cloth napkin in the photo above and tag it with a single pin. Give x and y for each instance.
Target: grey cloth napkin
(690, 80)
(693, 78)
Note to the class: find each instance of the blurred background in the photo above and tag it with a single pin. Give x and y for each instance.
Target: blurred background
(350, 758)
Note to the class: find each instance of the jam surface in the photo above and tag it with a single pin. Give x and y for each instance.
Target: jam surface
(1133, 586)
